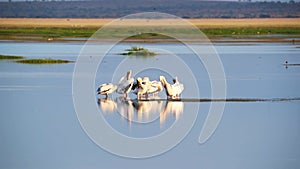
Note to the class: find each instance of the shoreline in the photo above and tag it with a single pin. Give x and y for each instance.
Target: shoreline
(217, 30)
(287, 39)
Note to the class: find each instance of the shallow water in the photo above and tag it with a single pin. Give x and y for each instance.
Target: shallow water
(39, 127)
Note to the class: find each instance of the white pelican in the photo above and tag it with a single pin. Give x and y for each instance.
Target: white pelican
(125, 84)
(173, 91)
(155, 87)
(106, 89)
(143, 86)
(135, 87)
(146, 87)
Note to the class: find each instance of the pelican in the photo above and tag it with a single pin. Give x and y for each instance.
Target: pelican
(135, 87)
(125, 84)
(155, 87)
(143, 86)
(106, 89)
(173, 91)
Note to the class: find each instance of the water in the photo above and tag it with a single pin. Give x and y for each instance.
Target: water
(39, 127)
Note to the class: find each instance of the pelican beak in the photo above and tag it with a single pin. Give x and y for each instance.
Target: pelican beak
(160, 78)
(139, 81)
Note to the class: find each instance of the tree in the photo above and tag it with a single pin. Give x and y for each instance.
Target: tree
(291, 1)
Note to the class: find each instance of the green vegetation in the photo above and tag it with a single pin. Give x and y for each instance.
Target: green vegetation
(45, 32)
(9, 57)
(74, 32)
(22, 59)
(232, 32)
(138, 51)
(43, 61)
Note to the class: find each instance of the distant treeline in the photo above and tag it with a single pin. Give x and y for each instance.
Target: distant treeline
(119, 8)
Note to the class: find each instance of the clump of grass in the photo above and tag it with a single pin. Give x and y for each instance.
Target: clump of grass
(10, 57)
(138, 51)
(22, 59)
(43, 61)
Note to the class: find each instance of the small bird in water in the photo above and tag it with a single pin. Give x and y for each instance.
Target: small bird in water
(106, 89)
(286, 64)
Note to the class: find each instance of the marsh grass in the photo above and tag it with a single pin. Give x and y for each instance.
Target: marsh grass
(43, 61)
(75, 32)
(227, 32)
(10, 57)
(22, 59)
(46, 32)
(138, 51)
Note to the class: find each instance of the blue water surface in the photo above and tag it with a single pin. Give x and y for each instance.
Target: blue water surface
(39, 126)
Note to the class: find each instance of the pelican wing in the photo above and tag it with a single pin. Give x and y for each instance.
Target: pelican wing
(125, 86)
(134, 86)
(178, 88)
(122, 80)
(128, 88)
(155, 87)
(106, 88)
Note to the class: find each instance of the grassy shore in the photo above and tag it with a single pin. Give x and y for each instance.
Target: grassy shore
(69, 28)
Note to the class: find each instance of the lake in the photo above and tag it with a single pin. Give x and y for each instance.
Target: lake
(259, 128)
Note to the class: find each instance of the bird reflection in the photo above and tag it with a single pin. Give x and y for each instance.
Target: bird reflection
(171, 108)
(142, 110)
(107, 105)
(125, 108)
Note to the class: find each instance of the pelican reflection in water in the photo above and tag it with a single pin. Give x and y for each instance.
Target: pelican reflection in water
(143, 111)
(174, 108)
(125, 108)
(146, 109)
(107, 105)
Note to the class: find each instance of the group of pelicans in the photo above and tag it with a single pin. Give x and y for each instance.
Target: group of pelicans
(142, 87)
